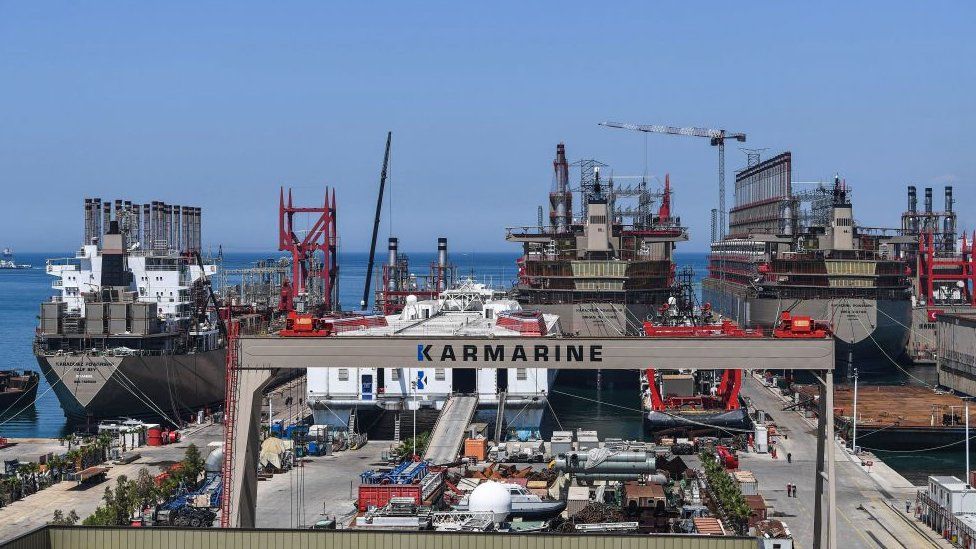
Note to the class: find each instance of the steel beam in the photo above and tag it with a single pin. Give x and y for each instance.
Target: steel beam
(260, 357)
(622, 353)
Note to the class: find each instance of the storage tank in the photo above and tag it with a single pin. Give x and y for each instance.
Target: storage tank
(492, 497)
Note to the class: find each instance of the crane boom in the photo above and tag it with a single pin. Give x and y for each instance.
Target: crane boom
(717, 138)
(675, 130)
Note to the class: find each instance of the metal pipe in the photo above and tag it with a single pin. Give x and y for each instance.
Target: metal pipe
(948, 198)
(912, 199)
(928, 199)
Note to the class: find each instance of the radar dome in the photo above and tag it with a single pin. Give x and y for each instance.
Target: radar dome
(491, 497)
(411, 298)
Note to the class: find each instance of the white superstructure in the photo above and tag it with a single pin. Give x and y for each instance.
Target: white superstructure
(471, 309)
(161, 278)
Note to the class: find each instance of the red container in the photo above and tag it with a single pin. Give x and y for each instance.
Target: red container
(154, 436)
(378, 495)
(174, 436)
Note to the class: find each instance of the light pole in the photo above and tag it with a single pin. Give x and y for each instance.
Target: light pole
(966, 480)
(413, 387)
(854, 435)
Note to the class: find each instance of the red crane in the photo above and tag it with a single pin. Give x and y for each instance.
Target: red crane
(308, 272)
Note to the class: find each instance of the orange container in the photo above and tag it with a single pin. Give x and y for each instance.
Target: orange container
(476, 448)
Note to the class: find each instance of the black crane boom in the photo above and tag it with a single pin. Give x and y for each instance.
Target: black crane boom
(376, 223)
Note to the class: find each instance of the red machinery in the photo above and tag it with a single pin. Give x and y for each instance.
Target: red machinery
(322, 237)
(727, 457)
(726, 396)
(800, 327)
(933, 269)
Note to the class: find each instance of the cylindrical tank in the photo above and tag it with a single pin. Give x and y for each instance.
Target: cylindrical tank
(441, 263)
(631, 463)
(154, 436)
(928, 199)
(492, 497)
(912, 198)
(656, 478)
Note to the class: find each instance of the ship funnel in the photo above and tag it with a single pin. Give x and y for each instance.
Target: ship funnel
(392, 252)
(441, 263)
(928, 199)
(912, 199)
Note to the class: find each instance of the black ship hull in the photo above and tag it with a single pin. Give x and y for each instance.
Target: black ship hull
(171, 387)
(14, 400)
(676, 421)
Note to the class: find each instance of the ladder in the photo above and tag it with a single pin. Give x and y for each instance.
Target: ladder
(352, 422)
(230, 411)
(396, 428)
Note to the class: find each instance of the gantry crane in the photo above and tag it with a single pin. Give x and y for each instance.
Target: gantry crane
(717, 138)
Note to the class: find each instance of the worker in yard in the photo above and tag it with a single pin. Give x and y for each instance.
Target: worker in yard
(908, 507)
(789, 457)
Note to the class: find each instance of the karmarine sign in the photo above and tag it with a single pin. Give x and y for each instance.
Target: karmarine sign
(501, 352)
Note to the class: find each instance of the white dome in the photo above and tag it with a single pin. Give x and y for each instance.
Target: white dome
(215, 460)
(411, 298)
(492, 497)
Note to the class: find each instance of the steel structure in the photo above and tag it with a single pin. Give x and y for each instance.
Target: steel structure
(309, 272)
(376, 223)
(716, 137)
(255, 358)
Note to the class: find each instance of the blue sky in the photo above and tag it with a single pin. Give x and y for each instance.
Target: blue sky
(216, 104)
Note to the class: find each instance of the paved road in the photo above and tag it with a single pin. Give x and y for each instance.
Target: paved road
(329, 485)
(864, 518)
(37, 509)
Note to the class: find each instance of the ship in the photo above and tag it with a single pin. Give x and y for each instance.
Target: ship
(605, 268)
(8, 263)
(385, 402)
(815, 262)
(699, 401)
(129, 332)
(17, 390)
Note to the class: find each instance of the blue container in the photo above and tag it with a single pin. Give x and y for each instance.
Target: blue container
(313, 448)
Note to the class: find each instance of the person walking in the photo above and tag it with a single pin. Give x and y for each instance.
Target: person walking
(789, 457)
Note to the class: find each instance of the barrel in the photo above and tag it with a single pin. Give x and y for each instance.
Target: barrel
(174, 436)
(154, 436)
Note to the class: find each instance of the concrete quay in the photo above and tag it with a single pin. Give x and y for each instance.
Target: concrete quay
(870, 500)
(327, 486)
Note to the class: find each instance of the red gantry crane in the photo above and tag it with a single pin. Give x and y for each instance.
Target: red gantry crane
(306, 267)
(717, 138)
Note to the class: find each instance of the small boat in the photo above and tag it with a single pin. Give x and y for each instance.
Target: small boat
(525, 505)
(17, 389)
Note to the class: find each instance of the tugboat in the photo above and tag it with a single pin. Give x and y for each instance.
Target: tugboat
(17, 389)
(7, 261)
(704, 400)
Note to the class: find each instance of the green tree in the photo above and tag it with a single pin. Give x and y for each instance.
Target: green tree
(193, 465)
(60, 519)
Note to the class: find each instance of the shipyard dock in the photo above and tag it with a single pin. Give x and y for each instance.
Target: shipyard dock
(896, 417)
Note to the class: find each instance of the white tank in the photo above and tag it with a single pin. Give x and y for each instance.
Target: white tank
(491, 497)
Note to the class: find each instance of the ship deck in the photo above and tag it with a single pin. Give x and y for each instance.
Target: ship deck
(904, 406)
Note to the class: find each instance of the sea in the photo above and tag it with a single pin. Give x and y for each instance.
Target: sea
(611, 410)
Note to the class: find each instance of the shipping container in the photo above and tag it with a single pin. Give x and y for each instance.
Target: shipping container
(378, 495)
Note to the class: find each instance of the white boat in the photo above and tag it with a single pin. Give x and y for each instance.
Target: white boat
(379, 395)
